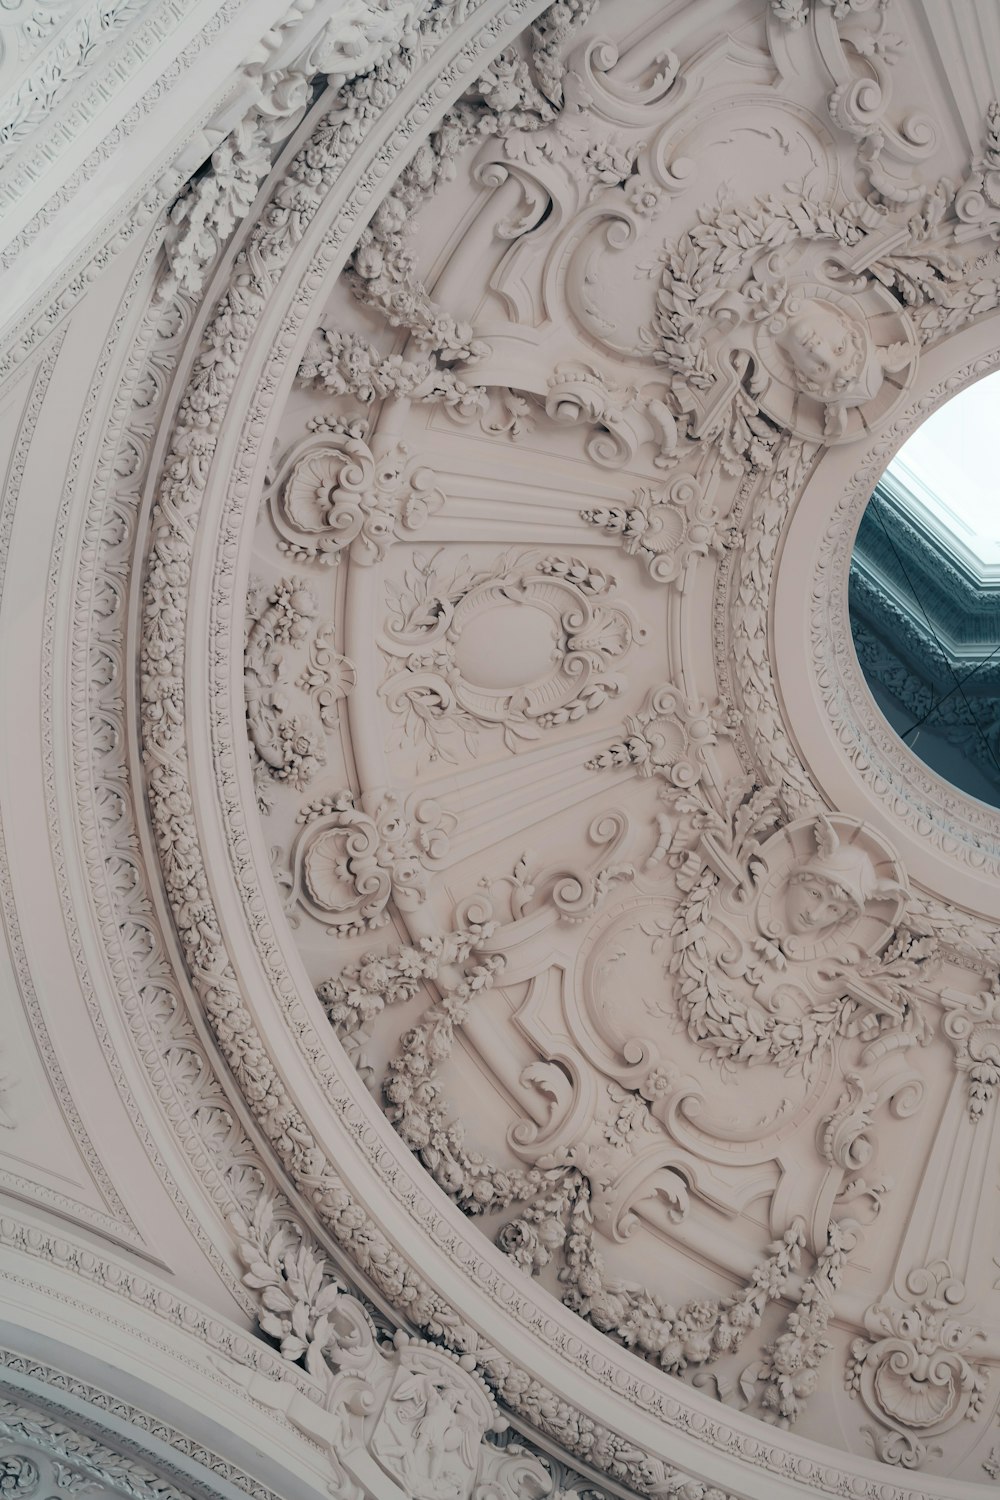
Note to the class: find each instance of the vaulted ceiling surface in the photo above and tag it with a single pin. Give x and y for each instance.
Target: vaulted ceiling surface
(632, 988)
(551, 940)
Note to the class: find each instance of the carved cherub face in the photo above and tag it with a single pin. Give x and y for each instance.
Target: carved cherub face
(825, 347)
(813, 904)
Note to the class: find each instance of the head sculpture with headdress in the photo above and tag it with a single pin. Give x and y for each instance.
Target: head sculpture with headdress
(832, 885)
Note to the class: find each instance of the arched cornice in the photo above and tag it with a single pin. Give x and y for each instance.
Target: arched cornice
(304, 1128)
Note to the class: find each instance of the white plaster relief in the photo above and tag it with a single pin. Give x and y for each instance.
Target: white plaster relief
(163, 780)
(337, 497)
(266, 104)
(784, 1367)
(348, 860)
(148, 992)
(441, 644)
(210, 208)
(916, 1372)
(116, 1220)
(868, 396)
(610, 1460)
(57, 41)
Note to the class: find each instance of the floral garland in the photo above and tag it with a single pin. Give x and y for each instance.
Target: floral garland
(557, 1218)
(737, 1030)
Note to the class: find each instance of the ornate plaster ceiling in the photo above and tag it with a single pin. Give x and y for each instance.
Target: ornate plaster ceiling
(539, 986)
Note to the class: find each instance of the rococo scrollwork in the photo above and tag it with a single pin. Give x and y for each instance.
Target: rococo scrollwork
(661, 1028)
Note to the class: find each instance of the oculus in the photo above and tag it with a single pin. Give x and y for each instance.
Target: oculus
(925, 593)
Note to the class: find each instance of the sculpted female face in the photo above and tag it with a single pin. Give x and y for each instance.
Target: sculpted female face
(814, 905)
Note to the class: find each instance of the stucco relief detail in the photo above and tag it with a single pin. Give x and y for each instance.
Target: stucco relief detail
(572, 627)
(347, 364)
(747, 602)
(18, 1475)
(728, 304)
(285, 746)
(170, 800)
(348, 860)
(53, 42)
(669, 739)
(44, 1430)
(163, 1033)
(431, 1412)
(972, 1025)
(115, 1217)
(939, 290)
(36, 1458)
(916, 1372)
(669, 527)
(784, 1367)
(216, 201)
(420, 1412)
(823, 897)
(339, 498)
(861, 49)
(801, 921)
(978, 202)
(429, 1430)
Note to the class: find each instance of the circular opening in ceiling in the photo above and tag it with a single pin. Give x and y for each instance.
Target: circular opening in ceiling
(925, 592)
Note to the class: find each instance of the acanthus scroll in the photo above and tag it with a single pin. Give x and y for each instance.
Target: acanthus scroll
(336, 497)
(916, 1372)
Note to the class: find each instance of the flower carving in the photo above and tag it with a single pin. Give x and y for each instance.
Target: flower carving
(286, 746)
(668, 738)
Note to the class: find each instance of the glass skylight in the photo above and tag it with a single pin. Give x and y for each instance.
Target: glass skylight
(951, 469)
(925, 592)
